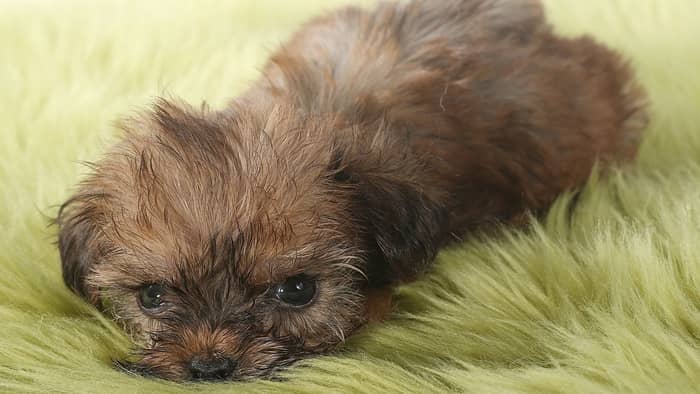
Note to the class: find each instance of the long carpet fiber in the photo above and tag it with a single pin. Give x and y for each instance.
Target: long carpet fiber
(606, 300)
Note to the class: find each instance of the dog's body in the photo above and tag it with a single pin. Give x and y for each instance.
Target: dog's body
(373, 139)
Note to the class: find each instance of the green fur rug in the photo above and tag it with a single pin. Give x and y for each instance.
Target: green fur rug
(607, 300)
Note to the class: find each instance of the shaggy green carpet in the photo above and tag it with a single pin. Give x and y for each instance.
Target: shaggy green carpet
(606, 300)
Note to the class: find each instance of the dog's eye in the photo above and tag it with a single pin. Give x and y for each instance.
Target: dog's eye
(151, 296)
(297, 290)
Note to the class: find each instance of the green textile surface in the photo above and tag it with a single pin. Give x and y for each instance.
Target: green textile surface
(606, 300)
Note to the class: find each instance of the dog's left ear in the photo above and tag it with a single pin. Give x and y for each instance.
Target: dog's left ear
(404, 223)
(407, 226)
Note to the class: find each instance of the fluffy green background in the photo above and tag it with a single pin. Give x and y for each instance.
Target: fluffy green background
(605, 301)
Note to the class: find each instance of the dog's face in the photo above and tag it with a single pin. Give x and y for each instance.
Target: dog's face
(231, 245)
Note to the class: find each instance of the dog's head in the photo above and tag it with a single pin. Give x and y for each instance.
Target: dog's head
(232, 244)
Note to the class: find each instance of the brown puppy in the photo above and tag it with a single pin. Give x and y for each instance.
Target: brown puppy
(232, 243)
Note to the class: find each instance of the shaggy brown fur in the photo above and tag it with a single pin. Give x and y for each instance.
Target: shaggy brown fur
(374, 139)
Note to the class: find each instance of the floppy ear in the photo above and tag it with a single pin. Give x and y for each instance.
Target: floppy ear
(78, 249)
(406, 226)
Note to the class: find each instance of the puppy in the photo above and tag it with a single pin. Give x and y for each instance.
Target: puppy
(232, 243)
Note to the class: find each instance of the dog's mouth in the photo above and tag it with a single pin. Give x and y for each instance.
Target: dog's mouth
(180, 375)
(143, 370)
(212, 373)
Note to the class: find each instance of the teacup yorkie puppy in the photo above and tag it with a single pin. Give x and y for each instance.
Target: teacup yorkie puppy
(232, 243)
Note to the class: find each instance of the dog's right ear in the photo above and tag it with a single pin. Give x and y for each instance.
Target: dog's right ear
(78, 247)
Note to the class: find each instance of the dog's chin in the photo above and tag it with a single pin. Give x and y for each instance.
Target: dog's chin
(172, 374)
(180, 374)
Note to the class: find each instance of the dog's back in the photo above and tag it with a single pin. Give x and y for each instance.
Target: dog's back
(505, 114)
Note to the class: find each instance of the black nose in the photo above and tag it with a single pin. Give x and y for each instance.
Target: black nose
(212, 368)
